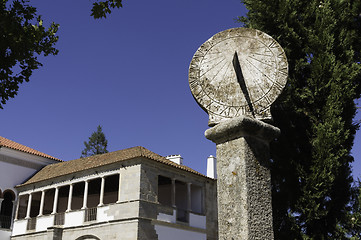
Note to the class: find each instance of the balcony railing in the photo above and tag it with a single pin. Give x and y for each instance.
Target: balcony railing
(59, 219)
(90, 214)
(5, 221)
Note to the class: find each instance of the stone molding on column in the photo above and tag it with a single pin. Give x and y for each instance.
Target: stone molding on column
(242, 126)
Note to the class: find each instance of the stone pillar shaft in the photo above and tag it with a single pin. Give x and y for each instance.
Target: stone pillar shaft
(173, 193)
(85, 197)
(189, 196)
(55, 204)
(29, 206)
(17, 208)
(101, 198)
(70, 197)
(119, 188)
(42, 203)
(244, 178)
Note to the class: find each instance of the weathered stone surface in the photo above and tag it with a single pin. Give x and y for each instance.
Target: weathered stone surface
(241, 127)
(244, 179)
(239, 71)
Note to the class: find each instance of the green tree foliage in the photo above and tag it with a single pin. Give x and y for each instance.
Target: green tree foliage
(22, 38)
(97, 144)
(311, 176)
(102, 8)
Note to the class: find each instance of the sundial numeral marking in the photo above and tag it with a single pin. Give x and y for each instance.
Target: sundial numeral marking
(193, 83)
(221, 113)
(200, 94)
(273, 45)
(278, 86)
(283, 71)
(280, 55)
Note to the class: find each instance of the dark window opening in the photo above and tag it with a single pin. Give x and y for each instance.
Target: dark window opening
(111, 189)
(196, 199)
(181, 201)
(48, 201)
(63, 199)
(35, 204)
(78, 195)
(93, 193)
(164, 190)
(23, 203)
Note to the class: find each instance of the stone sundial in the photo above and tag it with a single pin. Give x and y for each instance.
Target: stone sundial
(238, 72)
(235, 76)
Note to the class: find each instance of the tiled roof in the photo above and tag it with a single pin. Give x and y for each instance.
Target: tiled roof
(78, 165)
(4, 142)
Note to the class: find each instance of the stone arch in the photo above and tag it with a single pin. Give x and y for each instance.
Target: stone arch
(9, 192)
(88, 237)
(6, 210)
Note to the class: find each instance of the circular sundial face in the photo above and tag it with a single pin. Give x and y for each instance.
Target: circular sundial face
(236, 72)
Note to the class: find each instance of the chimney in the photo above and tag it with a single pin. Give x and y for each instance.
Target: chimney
(212, 167)
(175, 158)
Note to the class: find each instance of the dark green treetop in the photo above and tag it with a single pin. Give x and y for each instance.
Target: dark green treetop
(97, 144)
(22, 38)
(311, 175)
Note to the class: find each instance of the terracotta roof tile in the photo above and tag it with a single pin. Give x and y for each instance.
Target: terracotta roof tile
(77, 165)
(4, 142)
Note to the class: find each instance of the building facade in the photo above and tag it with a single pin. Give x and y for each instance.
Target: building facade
(17, 164)
(128, 194)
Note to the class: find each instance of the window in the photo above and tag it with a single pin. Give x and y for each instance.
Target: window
(164, 190)
(111, 189)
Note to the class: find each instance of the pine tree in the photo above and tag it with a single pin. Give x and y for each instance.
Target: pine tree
(311, 176)
(97, 144)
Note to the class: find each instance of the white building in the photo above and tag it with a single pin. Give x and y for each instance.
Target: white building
(17, 164)
(127, 194)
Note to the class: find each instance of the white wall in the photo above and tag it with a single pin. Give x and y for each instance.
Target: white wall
(167, 233)
(42, 223)
(5, 234)
(12, 175)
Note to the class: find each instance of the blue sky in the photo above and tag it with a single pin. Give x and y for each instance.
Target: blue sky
(128, 73)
